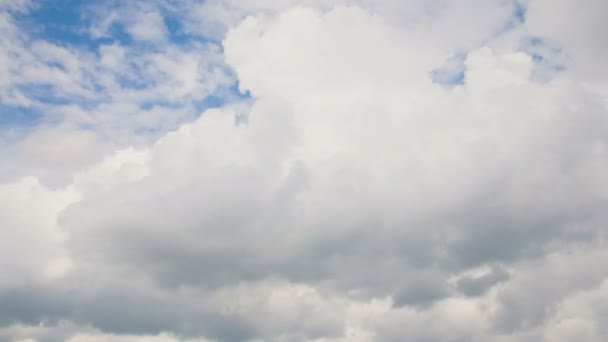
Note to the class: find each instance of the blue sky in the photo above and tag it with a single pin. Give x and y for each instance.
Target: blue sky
(69, 26)
(76, 26)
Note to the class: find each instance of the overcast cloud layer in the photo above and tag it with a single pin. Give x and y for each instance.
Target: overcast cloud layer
(304, 170)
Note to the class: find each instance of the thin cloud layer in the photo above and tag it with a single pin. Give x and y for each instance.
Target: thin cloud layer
(340, 191)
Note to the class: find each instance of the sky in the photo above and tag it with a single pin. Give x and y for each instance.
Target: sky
(303, 170)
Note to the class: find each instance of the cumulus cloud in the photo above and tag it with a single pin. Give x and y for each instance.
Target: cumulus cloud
(352, 197)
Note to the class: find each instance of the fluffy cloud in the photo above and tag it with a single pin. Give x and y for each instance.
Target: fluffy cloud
(353, 198)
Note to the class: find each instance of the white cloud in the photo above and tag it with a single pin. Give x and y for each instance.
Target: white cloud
(128, 338)
(90, 100)
(143, 21)
(576, 27)
(31, 242)
(148, 25)
(351, 199)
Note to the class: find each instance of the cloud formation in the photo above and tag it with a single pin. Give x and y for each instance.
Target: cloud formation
(344, 191)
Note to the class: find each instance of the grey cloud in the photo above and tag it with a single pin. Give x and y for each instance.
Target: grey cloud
(476, 286)
(357, 201)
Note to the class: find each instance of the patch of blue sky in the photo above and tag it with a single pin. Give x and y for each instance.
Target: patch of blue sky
(549, 59)
(222, 97)
(49, 94)
(44, 93)
(68, 23)
(151, 104)
(519, 12)
(42, 96)
(60, 22)
(518, 17)
(452, 72)
(135, 81)
(11, 116)
(178, 35)
(241, 94)
(211, 101)
(533, 42)
(65, 22)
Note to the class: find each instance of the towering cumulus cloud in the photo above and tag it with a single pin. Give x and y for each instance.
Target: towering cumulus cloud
(304, 171)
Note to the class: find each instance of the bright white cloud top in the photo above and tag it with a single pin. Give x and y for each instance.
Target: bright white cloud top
(303, 170)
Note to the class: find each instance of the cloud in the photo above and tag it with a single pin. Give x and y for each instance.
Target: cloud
(142, 21)
(31, 239)
(576, 29)
(109, 92)
(352, 198)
